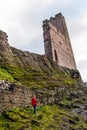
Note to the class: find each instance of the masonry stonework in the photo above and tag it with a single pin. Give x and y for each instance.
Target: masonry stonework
(57, 43)
(4, 45)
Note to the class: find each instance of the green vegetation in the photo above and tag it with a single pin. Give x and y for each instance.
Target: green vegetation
(5, 75)
(47, 117)
(31, 78)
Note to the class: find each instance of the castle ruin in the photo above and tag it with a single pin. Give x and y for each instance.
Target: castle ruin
(57, 43)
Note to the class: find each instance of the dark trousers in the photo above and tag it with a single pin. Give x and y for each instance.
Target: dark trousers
(34, 108)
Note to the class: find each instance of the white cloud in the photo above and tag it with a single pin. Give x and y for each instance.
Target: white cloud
(84, 19)
(19, 18)
(78, 32)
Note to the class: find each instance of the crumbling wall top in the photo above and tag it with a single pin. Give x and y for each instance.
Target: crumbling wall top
(3, 35)
(58, 21)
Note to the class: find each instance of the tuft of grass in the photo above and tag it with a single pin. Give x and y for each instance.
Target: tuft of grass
(5, 75)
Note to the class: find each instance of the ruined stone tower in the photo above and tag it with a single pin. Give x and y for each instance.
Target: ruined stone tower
(57, 43)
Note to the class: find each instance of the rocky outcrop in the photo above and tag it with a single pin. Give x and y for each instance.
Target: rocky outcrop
(4, 45)
(5, 50)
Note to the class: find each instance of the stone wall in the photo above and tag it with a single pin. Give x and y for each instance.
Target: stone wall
(57, 43)
(19, 97)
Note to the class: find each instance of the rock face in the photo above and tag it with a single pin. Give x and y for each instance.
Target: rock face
(5, 50)
(4, 46)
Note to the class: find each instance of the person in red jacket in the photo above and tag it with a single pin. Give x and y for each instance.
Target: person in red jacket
(34, 103)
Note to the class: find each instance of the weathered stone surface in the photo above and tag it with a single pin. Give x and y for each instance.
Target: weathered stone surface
(57, 43)
(19, 97)
(5, 50)
(84, 115)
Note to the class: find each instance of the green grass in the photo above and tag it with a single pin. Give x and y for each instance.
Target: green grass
(47, 117)
(33, 78)
(5, 75)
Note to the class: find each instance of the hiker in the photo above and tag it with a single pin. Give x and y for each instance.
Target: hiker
(34, 103)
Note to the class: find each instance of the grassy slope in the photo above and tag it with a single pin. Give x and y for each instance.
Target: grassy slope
(33, 70)
(47, 117)
(30, 77)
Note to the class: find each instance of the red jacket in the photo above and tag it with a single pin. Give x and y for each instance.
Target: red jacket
(34, 101)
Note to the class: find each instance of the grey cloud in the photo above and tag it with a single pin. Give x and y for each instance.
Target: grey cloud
(35, 46)
(76, 28)
(83, 65)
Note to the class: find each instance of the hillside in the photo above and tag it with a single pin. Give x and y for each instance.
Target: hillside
(61, 94)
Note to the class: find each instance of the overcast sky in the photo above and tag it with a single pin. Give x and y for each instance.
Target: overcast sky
(22, 20)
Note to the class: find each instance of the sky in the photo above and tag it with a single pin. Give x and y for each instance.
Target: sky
(22, 21)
